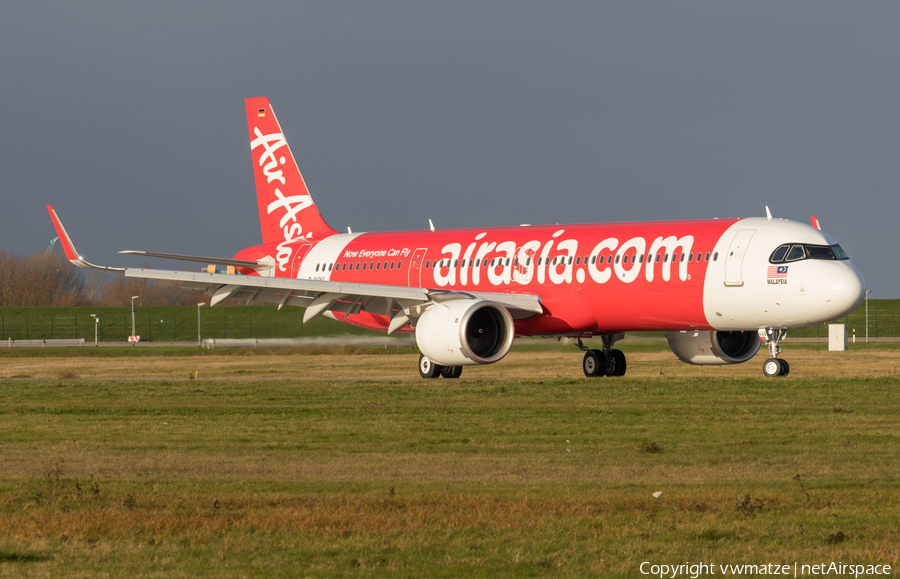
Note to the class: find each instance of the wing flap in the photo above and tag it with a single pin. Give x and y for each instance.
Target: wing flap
(319, 296)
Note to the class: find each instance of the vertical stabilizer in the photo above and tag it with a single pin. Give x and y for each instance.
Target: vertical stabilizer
(286, 209)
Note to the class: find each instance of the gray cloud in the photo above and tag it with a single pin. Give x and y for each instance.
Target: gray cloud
(129, 118)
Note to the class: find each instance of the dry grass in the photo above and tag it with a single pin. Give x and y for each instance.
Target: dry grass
(524, 468)
(808, 361)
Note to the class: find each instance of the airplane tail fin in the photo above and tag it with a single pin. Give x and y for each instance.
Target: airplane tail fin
(286, 209)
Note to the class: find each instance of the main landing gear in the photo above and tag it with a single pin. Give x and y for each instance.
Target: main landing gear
(775, 366)
(428, 369)
(605, 362)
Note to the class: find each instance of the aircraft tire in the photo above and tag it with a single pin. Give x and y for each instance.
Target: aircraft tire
(785, 367)
(620, 364)
(772, 367)
(594, 363)
(427, 368)
(451, 371)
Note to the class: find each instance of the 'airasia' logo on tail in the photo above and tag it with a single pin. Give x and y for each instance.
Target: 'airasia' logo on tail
(292, 204)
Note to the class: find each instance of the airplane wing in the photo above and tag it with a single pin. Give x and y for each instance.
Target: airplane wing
(77, 260)
(402, 304)
(69, 247)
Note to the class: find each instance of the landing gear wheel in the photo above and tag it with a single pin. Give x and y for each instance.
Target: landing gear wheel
(451, 371)
(619, 363)
(785, 367)
(594, 363)
(772, 367)
(427, 368)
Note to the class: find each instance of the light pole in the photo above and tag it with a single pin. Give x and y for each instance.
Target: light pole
(198, 322)
(867, 315)
(96, 327)
(132, 319)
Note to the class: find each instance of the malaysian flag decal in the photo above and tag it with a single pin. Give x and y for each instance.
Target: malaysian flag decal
(777, 271)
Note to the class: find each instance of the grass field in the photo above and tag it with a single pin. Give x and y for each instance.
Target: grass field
(341, 464)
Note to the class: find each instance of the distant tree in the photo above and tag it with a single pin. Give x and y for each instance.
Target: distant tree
(39, 279)
(48, 279)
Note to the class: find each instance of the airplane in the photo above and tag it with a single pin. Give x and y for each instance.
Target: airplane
(719, 288)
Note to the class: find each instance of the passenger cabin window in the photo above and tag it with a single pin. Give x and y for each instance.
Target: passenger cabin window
(715, 256)
(707, 256)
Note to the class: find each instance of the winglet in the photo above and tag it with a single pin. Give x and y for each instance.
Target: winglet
(815, 222)
(69, 247)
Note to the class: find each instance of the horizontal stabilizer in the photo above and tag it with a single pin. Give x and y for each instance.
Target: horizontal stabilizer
(201, 259)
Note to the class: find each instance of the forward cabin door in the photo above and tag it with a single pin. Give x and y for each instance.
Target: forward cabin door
(735, 258)
(416, 264)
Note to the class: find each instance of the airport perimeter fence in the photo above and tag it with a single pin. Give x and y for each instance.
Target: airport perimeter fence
(182, 327)
(179, 323)
(887, 325)
(162, 328)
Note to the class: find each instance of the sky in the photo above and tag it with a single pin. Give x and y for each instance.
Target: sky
(129, 117)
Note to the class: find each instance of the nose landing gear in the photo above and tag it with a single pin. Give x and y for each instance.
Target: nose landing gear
(774, 366)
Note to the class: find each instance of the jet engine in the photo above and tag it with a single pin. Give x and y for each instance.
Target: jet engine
(712, 347)
(465, 332)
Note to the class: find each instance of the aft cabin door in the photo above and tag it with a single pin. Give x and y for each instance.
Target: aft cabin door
(298, 259)
(735, 258)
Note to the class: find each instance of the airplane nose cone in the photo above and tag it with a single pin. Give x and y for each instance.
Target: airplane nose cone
(845, 289)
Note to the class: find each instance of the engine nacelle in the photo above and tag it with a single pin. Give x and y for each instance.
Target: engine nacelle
(712, 347)
(465, 332)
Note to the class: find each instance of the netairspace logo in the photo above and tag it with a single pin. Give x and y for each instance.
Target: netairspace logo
(695, 570)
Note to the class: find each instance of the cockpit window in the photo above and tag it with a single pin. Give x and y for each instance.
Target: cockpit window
(797, 251)
(778, 255)
(819, 252)
(838, 252)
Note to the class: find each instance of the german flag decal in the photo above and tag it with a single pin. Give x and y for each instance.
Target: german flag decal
(261, 113)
